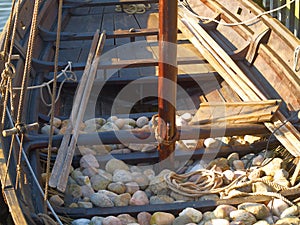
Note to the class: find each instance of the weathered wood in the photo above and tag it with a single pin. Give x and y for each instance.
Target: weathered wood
(68, 36)
(58, 165)
(9, 192)
(238, 81)
(236, 112)
(76, 4)
(62, 181)
(47, 65)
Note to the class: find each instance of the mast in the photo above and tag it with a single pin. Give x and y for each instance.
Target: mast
(167, 80)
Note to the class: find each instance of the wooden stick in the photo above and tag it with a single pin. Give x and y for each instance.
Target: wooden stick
(66, 139)
(62, 181)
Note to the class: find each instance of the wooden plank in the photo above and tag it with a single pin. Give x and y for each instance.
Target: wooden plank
(9, 192)
(62, 181)
(291, 139)
(58, 165)
(126, 51)
(236, 112)
(76, 4)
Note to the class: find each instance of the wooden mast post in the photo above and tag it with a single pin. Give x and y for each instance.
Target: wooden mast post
(167, 81)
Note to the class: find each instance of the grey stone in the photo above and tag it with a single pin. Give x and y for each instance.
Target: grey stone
(123, 176)
(111, 220)
(118, 188)
(162, 218)
(87, 191)
(182, 220)
(243, 216)
(101, 200)
(288, 221)
(122, 199)
(161, 199)
(99, 182)
(192, 213)
(126, 219)
(142, 121)
(139, 198)
(96, 220)
(115, 164)
(81, 221)
(291, 211)
(89, 160)
(132, 187)
(86, 205)
(144, 218)
(260, 211)
(56, 200)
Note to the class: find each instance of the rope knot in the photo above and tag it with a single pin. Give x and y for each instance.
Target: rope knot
(9, 71)
(163, 139)
(21, 128)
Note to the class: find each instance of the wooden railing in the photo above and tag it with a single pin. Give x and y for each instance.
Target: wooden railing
(289, 16)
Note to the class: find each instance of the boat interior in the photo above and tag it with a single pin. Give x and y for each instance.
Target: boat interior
(126, 82)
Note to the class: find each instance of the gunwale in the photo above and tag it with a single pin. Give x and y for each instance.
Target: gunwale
(46, 37)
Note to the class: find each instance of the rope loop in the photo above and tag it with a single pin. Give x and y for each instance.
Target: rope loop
(9, 71)
(296, 58)
(158, 137)
(68, 73)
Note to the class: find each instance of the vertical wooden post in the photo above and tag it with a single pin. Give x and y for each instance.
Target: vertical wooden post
(167, 80)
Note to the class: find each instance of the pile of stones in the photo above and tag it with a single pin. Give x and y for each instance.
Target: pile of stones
(274, 212)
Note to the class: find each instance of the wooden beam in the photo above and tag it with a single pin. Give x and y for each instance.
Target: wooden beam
(69, 4)
(72, 36)
(58, 165)
(40, 65)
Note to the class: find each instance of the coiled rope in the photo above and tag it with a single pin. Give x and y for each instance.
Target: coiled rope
(210, 182)
(133, 8)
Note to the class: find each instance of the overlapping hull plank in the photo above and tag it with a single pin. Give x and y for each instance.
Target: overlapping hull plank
(241, 76)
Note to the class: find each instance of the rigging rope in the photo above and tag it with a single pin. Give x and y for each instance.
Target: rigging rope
(31, 170)
(28, 60)
(9, 72)
(186, 6)
(53, 99)
(9, 23)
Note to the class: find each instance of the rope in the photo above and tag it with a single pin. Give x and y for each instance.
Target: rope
(210, 182)
(268, 194)
(207, 182)
(59, 20)
(9, 22)
(31, 170)
(186, 6)
(158, 137)
(66, 72)
(9, 71)
(133, 8)
(27, 67)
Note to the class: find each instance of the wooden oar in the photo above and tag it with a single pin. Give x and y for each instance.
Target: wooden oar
(62, 181)
(66, 139)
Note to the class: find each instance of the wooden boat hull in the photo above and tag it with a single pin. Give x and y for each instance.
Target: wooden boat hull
(245, 62)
